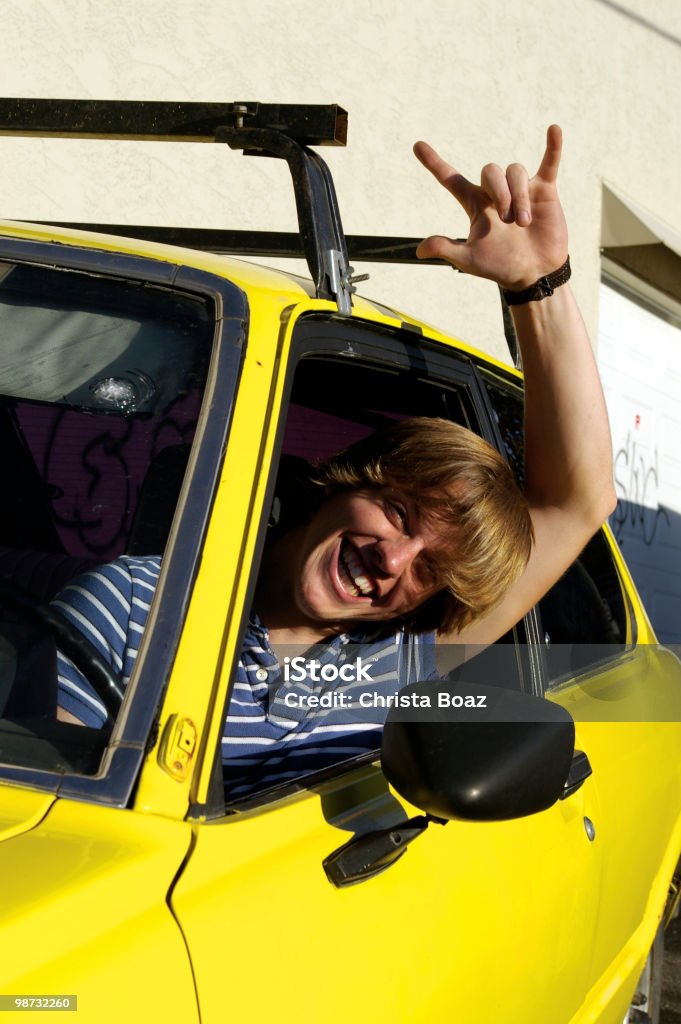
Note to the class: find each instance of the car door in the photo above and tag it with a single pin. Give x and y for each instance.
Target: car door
(599, 658)
(476, 918)
(625, 697)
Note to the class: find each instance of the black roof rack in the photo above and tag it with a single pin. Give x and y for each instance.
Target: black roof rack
(278, 130)
(308, 124)
(284, 131)
(282, 244)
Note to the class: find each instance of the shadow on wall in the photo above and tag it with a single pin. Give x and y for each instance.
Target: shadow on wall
(650, 540)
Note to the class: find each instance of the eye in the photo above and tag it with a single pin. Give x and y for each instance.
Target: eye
(428, 571)
(397, 513)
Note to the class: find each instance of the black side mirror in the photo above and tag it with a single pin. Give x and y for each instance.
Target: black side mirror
(477, 752)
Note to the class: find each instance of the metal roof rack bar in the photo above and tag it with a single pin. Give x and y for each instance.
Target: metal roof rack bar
(266, 129)
(280, 130)
(321, 231)
(282, 244)
(308, 124)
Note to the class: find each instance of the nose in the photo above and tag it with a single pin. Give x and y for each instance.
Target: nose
(397, 554)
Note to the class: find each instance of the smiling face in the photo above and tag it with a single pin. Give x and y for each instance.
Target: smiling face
(423, 522)
(365, 556)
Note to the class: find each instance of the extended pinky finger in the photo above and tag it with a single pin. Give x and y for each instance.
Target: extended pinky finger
(548, 168)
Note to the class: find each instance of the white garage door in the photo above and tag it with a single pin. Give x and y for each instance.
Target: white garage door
(639, 355)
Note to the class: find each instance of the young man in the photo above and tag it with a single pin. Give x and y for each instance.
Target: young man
(375, 566)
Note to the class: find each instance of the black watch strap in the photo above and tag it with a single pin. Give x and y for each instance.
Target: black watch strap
(541, 289)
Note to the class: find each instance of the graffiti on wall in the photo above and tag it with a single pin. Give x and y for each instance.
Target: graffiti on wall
(637, 480)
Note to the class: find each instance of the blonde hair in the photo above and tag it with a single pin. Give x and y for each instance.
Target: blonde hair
(460, 482)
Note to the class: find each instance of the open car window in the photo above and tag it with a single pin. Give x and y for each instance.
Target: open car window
(296, 717)
(101, 384)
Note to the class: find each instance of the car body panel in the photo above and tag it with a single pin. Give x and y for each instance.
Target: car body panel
(636, 820)
(86, 913)
(406, 944)
(21, 810)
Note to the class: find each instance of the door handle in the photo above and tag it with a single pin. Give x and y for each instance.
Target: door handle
(367, 855)
(580, 770)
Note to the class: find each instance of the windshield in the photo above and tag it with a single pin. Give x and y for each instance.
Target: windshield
(101, 382)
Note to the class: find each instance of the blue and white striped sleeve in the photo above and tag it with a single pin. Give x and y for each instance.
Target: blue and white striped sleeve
(109, 605)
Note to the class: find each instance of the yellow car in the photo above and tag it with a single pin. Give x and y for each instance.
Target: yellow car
(159, 400)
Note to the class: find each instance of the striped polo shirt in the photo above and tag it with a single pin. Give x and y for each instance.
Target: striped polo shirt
(284, 720)
(109, 605)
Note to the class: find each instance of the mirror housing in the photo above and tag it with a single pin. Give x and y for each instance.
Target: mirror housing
(476, 752)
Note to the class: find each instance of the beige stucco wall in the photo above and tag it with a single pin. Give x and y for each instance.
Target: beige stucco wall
(480, 80)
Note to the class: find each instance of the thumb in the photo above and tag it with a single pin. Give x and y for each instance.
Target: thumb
(452, 250)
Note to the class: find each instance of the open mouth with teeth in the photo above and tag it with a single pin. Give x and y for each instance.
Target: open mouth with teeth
(352, 573)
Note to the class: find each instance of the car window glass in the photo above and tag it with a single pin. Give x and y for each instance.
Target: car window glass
(584, 616)
(506, 401)
(101, 382)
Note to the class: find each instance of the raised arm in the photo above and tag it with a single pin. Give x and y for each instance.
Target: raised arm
(518, 236)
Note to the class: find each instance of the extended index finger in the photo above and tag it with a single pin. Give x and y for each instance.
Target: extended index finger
(460, 187)
(550, 162)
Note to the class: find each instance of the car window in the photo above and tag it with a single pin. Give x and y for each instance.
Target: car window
(506, 401)
(101, 382)
(584, 618)
(286, 722)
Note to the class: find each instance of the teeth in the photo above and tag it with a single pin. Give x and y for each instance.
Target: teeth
(347, 580)
(363, 583)
(355, 571)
